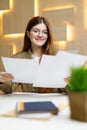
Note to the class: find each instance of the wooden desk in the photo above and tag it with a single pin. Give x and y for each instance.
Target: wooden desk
(62, 121)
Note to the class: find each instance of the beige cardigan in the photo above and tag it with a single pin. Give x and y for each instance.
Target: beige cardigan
(10, 87)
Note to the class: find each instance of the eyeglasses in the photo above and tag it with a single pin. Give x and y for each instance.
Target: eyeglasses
(38, 32)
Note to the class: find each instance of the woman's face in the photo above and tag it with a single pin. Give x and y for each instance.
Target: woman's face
(38, 34)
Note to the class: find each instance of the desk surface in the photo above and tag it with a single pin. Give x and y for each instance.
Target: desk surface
(62, 121)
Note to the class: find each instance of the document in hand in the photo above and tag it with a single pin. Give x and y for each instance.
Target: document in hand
(23, 70)
(50, 73)
(36, 109)
(53, 69)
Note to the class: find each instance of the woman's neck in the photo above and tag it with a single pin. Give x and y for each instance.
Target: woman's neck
(37, 51)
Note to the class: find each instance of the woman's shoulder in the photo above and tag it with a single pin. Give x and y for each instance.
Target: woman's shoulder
(25, 54)
(19, 55)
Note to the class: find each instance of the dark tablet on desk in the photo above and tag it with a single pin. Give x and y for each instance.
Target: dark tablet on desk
(36, 107)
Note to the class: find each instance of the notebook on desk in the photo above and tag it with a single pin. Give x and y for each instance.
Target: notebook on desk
(38, 109)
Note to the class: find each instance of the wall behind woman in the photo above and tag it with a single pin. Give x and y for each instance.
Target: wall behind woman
(13, 20)
(67, 17)
(71, 15)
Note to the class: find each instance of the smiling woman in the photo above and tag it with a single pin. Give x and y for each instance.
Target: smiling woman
(38, 35)
(37, 41)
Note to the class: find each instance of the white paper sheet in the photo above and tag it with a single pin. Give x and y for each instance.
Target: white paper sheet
(53, 69)
(23, 70)
(50, 73)
(41, 116)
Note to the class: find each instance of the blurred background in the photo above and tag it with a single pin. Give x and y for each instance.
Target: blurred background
(68, 19)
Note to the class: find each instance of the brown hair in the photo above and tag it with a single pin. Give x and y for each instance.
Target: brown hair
(34, 21)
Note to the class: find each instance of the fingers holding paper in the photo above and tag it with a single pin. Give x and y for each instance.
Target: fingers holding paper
(6, 77)
(66, 79)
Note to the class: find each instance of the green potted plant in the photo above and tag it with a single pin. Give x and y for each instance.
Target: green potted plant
(78, 93)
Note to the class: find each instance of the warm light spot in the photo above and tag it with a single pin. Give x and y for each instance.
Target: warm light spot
(1, 22)
(62, 45)
(5, 11)
(14, 35)
(36, 7)
(11, 4)
(1, 13)
(14, 49)
(58, 8)
(85, 13)
(70, 32)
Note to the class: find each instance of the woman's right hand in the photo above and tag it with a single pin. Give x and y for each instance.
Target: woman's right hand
(67, 79)
(6, 77)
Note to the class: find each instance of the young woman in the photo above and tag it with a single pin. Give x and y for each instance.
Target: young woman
(37, 41)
